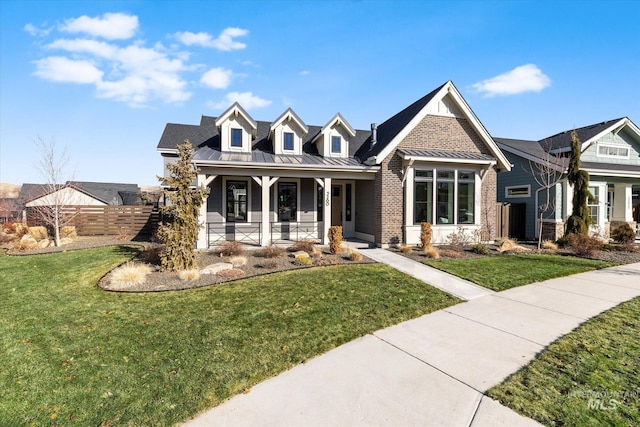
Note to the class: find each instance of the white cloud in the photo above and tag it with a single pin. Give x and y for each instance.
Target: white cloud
(217, 78)
(305, 72)
(525, 78)
(61, 69)
(111, 26)
(93, 47)
(246, 99)
(225, 41)
(35, 31)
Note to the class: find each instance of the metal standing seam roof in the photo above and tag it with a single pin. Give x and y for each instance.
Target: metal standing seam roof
(454, 155)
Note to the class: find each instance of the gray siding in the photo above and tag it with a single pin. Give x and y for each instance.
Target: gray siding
(307, 200)
(364, 201)
(622, 139)
(214, 201)
(255, 211)
(518, 176)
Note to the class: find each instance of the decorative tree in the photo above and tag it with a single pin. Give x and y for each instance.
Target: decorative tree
(180, 233)
(578, 222)
(547, 173)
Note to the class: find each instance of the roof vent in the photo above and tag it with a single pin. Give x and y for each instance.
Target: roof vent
(374, 134)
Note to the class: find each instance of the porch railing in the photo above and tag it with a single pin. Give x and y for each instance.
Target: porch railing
(304, 230)
(244, 232)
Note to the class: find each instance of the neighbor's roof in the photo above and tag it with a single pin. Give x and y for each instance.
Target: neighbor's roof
(563, 139)
(105, 192)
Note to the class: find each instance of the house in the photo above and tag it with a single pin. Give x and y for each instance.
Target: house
(610, 154)
(286, 180)
(80, 194)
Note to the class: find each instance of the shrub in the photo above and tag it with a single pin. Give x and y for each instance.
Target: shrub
(584, 245)
(327, 261)
(480, 249)
(231, 248)
(129, 274)
(335, 239)
(238, 261)
(123, 234)
(459, 239)
(232, 273)
(187, 275)
(26, 243)
(449, 253)
(38, 233)
(316, 253)
(271, 251)
(406, 249)
(68, 231)
(425, 234)
(269, 264)
(548, 244)
(308, 246)
(19, 229)
(563, 241)
(432, 252)
(302, 259)
(623, 234)
(355, 256)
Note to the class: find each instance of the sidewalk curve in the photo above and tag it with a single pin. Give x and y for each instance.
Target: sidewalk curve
(433, 370)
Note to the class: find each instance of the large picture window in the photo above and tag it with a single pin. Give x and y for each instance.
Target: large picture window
(444, 196)
(466, 197)
(423, 190)
(236, 201)
(287, 201)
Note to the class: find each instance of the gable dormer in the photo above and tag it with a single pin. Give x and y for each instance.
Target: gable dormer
(287, 133)
(333, 139)
(237, 129)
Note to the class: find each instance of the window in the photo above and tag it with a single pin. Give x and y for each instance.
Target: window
(288, 141)
(423, 190)
(287, 201)
(336, 144)
(519, 191)
(616, 151)
(236, 201)
(466, 197)
(594, 205)
(320, 201)
(444, 197)
(236, 137)
(347, 198)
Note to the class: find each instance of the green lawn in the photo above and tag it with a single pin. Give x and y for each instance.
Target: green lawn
(73, 354)
(590, 377)
(502, 272)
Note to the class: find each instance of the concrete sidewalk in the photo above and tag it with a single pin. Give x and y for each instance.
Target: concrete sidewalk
(437, 278)
(432, 370)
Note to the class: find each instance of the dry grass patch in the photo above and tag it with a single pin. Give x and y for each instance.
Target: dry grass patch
(406, 249)
(38, 233)
(549, 245)
(432, 252)
(129, 274)
(355, 256)
(230, 248)
(272, 251)
(232, 273)
(450, 253)
(187, 275)
(238, 261)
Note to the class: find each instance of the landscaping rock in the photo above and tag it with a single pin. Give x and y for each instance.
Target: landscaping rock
(65, 241)
(44, 243)
(28, 241)
(299, 253)
(217, 267)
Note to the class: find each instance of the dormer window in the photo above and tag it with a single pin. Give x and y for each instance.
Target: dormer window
(336, 144)
(236, 138)
(288, 141)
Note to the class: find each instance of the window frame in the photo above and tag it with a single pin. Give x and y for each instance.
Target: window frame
(517, 196)
(335, 138)
(235, 131)
(226, 200)
(451, 178)
(613, 156)
(296, 185)
(284, 141)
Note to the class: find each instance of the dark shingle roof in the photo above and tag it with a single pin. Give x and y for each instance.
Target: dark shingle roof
(618, 167)
(393, 126)
(105, 192)
(563, 139)
(532, 148)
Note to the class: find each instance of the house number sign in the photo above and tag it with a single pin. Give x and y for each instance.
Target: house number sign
(328, 200)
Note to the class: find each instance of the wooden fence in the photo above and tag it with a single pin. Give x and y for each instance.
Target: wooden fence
(107, 220)
(511, 220)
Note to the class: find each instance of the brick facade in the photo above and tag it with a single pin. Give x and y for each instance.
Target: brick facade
(437, 133)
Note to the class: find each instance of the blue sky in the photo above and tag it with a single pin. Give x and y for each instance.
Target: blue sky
(104, 77)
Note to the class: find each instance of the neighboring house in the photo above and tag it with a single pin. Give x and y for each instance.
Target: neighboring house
(286, 180)
(80, 194)
(611, 156)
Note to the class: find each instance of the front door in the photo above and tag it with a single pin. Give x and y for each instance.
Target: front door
(336, 205)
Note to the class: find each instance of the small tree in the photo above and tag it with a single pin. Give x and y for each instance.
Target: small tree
(181, 232)
(578, 222)
(53, 167)
(547, 172)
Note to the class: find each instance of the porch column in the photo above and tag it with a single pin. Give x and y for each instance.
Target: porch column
(203, 180)
(266, 231)
(326, 214)
(622, 209)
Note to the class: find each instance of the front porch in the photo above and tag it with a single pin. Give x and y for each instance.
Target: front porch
(267, 209)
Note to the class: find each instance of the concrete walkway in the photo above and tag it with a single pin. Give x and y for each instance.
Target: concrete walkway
(432, 370)
(447, 282)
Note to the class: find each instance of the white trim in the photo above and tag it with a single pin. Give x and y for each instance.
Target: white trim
(617, 126)
(612, 173)
(235, 110)
(555, 166)
(243, 168)
(447, 160)
(516, 196)
(448, 88)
